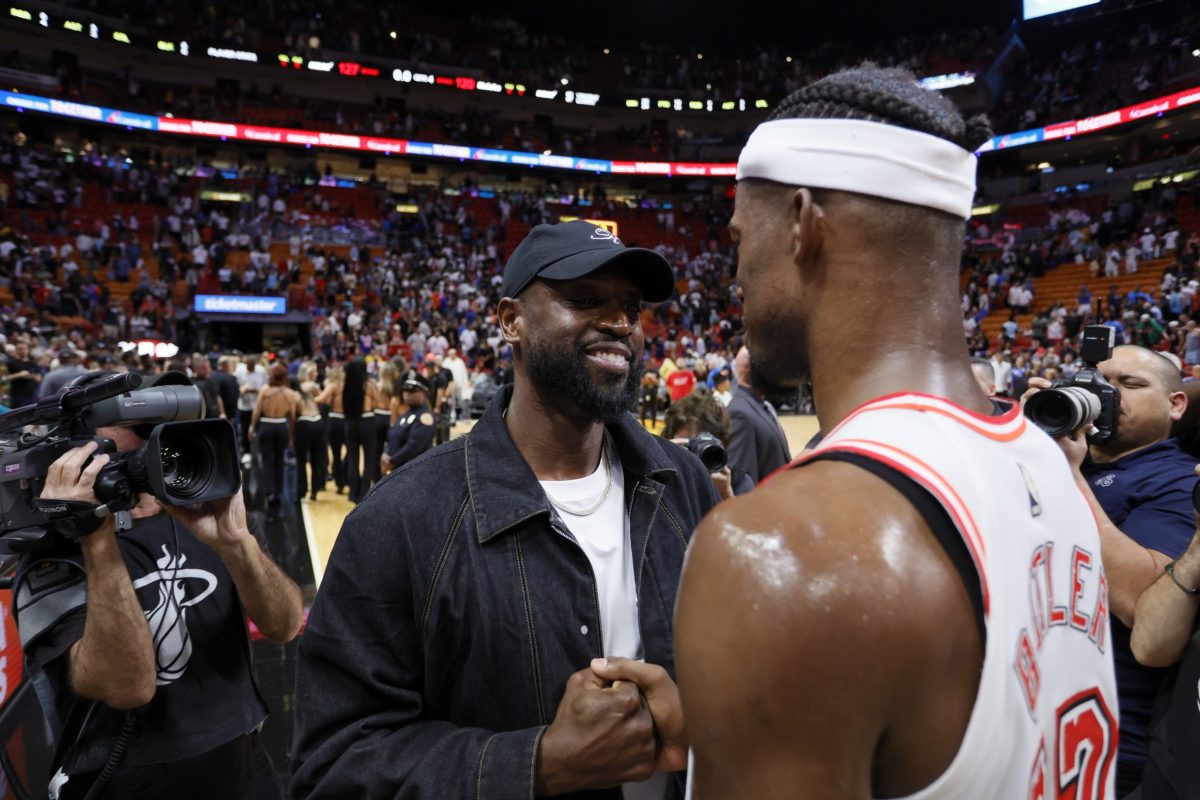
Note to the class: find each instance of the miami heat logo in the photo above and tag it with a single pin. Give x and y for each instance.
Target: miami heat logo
(178, 590)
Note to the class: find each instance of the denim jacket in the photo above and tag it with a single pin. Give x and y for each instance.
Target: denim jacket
(454, 608)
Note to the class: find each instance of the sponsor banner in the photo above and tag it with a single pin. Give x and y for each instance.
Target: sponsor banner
(82, 111)
(239, 304)
(343, 141)
(1109, 119)
(673, 168)
(376, 145)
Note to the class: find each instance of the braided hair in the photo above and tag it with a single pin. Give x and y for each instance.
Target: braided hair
(888, 95)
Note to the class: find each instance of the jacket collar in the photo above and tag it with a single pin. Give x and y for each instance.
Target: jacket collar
(504, 491)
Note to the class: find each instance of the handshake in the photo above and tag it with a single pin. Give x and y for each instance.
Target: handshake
(618, 721)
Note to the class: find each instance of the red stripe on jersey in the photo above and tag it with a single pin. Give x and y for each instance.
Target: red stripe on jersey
(930, 475)
(990, 427)
(932, 483)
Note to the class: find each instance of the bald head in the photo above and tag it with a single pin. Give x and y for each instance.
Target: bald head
(1152, 400)
(1164, 372)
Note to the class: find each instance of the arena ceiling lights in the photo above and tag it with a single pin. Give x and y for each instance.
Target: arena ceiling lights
(347, 69)
(939, 83)
(356, 69)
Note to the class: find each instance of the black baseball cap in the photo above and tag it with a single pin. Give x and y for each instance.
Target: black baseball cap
(570, 250)
(415, 380)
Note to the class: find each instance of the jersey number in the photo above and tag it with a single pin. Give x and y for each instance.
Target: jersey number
(1087, 742)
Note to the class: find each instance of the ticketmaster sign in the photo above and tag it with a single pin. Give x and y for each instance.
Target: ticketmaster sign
(234, 304)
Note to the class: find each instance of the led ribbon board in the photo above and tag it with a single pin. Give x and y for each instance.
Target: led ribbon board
(379, 145)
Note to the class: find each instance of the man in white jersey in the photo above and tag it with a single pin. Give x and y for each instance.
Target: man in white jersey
(918, 608)
(478, 629)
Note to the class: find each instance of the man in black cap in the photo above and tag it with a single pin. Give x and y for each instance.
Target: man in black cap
(413, 433)
(475, 632)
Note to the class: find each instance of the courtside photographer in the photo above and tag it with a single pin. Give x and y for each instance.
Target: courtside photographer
(1139, 483)
(700, 423)
(138, 570)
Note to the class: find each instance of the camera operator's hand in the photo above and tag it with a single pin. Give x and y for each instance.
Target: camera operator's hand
(601, 736)
(68, 479)
(269, 597)
(217, 523)
(723, 481)
(1074, 446)
(1035, 386)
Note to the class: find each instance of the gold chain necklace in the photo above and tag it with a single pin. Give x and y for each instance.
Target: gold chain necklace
(583, 512)
(573, 510)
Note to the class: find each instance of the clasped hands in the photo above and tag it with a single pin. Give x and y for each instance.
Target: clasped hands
(619, 721)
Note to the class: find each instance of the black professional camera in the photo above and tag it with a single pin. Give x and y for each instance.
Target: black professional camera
(709, 450)
(192, 460)
(1087, 400)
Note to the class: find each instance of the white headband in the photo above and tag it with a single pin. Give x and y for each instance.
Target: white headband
(865, 157)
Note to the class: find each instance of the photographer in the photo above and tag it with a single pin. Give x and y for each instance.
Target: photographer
(1139, 487)
(137, 642)
(701, 412)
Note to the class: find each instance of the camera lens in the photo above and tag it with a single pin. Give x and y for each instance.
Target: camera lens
(186, 466)
(1060, 411)
(709, 450)
(713, 457)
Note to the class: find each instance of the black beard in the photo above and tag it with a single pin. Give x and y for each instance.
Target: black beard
(769, 388)
(564, 373)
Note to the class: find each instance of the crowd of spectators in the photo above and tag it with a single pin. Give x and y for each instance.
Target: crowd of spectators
(1084, 75)
(1036, 338)
(385, 284)
(412, 284)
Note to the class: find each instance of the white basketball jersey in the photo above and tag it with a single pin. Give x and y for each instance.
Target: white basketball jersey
(1044, 724)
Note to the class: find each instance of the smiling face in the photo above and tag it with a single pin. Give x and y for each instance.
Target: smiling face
(581, 340)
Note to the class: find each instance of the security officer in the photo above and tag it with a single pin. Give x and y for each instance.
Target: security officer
(413, 433)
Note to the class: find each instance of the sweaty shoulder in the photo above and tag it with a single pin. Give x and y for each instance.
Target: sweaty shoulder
(818, 623)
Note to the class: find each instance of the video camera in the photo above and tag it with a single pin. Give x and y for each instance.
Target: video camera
(185, 460)
(1088, 399)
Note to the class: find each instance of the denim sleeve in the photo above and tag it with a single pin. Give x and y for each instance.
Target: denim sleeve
(361, 728)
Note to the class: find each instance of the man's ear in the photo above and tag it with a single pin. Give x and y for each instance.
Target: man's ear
(511, 320)
(1179, 405)
(807, 221)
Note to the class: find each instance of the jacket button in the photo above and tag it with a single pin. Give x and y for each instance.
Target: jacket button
(583, 629)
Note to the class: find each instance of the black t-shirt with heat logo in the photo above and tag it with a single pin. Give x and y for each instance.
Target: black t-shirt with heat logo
(205, 696)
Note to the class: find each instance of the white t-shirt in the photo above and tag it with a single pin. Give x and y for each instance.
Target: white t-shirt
(604, 538)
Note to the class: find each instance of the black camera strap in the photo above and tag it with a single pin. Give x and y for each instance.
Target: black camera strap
(71, 518)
